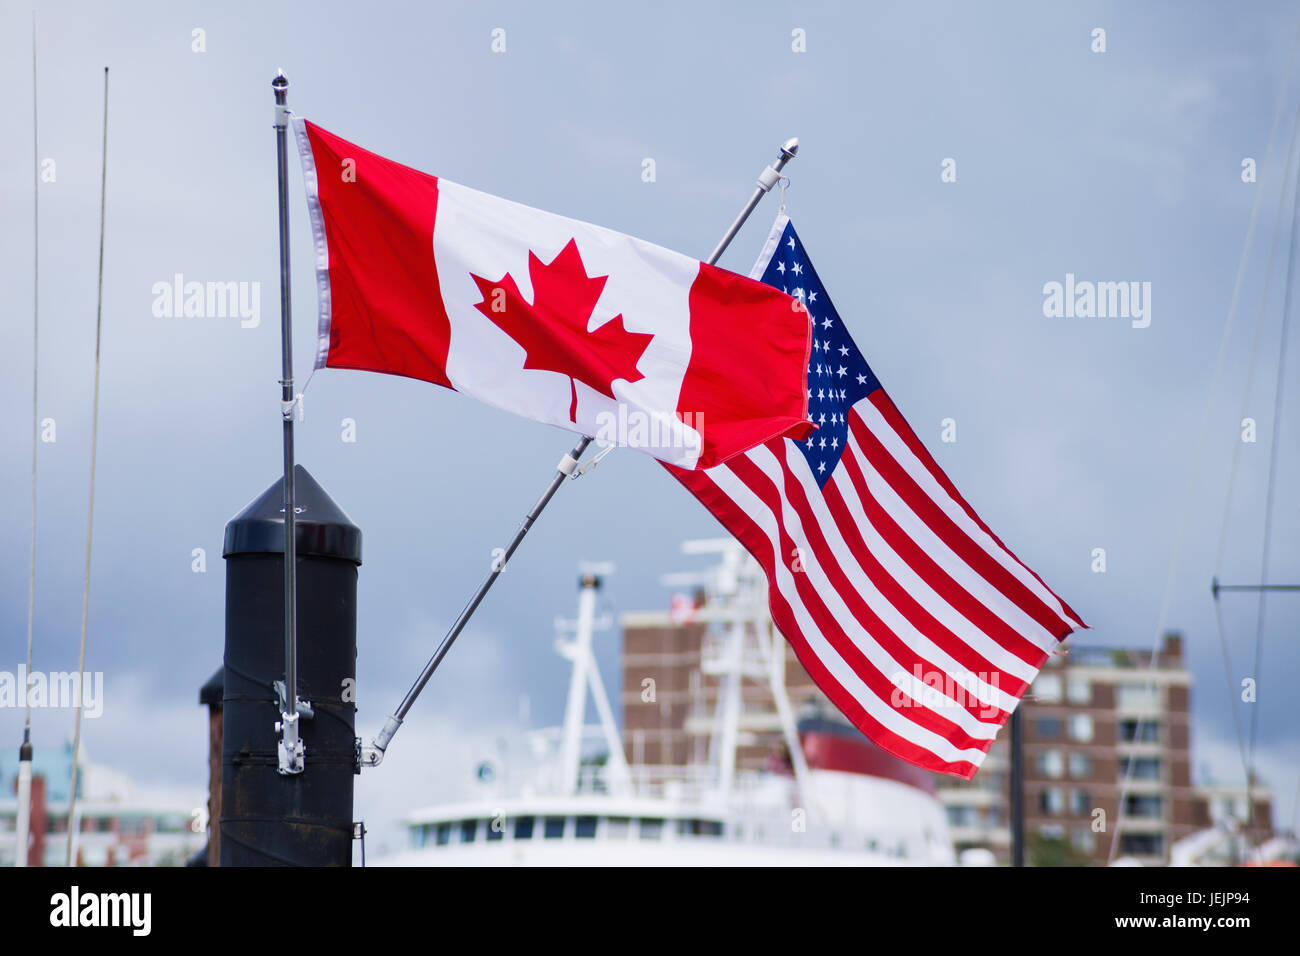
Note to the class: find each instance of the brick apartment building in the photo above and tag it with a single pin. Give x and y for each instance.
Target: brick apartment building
(1090, 713)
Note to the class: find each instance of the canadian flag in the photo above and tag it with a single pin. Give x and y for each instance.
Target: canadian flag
(551, 318)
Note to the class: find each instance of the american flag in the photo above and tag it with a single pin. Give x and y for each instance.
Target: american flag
(905, 609)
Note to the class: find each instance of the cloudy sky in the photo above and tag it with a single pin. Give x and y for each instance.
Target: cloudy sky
(1072, 434)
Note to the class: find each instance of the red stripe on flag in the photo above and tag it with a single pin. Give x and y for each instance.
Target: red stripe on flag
(387, 313)
(885, 405)
(938, 521)
(908, 658)
(756, 542)
(832, 630)
(747, 404)
(961, 600)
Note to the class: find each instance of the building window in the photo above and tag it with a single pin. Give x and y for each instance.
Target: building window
(553, 828)
(1143, 768)
(699, 827)
(1137, 697)
(1083, 839)
(524, 827)
(1047, 727)
(1080, 765)
(1140, 844)
(1139, 731)
(652, 829)
(1079, 690)
(616, 828)
(1051, 764)
(442, 836)
(1142, 805)
(468, 830)
(1047, 688)
(1081, 728)
(961, 816)
(1051, 801)
(584, 828)
(496, 827)
(1079, 803)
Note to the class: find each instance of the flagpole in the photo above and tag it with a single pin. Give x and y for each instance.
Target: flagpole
(372, 756)
(768, 178)
(291, 750)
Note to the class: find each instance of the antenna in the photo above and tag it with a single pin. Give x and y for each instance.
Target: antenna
(90, 516)
(25, 750)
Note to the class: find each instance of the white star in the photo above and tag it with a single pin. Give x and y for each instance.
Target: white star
(798, 269)
(843, 395)
(820, 395)
(780, 267)
(821, 420)
(791, 243)
(835, 443)
(823, 443)
(826, 324)
(819, 369)
(812, 296)
(844, 350)
(842, 372)
(862, 380)
(810, 442)
(826, 346)
(821, 467)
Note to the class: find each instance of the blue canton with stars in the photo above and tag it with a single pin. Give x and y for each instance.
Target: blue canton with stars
(838, 375)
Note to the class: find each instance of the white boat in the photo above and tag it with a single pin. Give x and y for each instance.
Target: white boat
(575, 805)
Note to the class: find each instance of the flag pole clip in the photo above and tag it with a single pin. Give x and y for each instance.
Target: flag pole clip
(292, 410)
(595, 460)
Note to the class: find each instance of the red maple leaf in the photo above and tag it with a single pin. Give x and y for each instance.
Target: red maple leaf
(553, 328)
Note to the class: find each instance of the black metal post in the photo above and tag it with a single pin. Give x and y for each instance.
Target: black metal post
(269, 818)
(1017, 790)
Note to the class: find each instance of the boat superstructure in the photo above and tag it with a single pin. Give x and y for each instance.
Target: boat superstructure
(576, 798)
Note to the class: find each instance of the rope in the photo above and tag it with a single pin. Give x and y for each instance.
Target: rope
(1233, 697)
(1272, 481)
(1204, 430)
(94, 447)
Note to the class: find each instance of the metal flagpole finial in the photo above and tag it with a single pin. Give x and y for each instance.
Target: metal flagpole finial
(281, 86)
(768, 178)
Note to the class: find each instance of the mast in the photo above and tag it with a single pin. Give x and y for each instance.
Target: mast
(751, 648)
(586, 676)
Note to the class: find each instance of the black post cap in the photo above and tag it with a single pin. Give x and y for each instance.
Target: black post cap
(211, 693)
(323, 528)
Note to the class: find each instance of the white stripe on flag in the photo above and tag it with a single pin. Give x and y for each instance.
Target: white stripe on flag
(889, 717)
(952, 563)
(902, 454)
